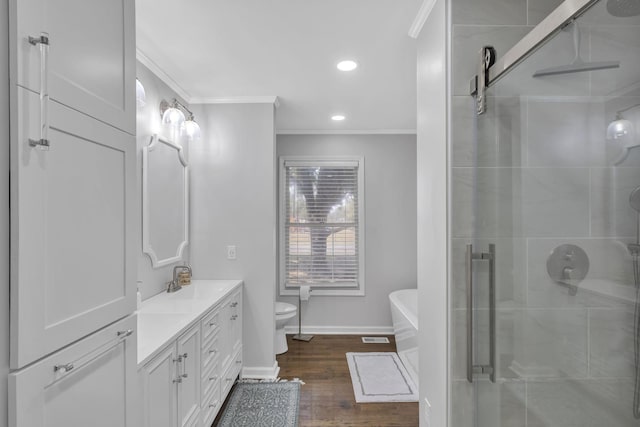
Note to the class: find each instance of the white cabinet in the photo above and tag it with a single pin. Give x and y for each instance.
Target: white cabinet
(73, 229)
(89, 383)
(73, 212)
(91, 64)
(186, 379)
(231, 329)
(189, 386)
(159, 390)
(171, 383)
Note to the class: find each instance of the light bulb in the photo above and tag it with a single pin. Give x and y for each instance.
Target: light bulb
(192, 130)
(338, 118)
(173, 116)
(620, 129)
(141, 96)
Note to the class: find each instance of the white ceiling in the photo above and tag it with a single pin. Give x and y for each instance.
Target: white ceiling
(230, 49)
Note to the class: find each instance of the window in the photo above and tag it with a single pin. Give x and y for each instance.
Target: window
(321, 223)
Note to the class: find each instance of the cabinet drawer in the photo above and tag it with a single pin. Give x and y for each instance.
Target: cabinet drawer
(211, 324)
(229, 377)
(210, 351)
(210, 379)
(69, 387)
(211, 405)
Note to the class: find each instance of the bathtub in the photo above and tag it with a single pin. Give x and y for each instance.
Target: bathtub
(404, 313)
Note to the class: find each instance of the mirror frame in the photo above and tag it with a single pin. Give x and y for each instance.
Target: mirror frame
(146, 241)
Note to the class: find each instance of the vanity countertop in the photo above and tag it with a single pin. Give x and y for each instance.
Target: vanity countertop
(163, 317)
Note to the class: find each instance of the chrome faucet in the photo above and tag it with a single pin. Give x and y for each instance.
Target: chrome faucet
(174, 285)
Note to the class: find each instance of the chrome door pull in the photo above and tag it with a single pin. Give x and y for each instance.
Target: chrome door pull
(43, 43)
(125, 334)
(64, 368)
(469, 258)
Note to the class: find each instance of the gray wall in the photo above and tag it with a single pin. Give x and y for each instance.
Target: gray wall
(233, 203)
(148, 123)
(390, 229)
(4, 212)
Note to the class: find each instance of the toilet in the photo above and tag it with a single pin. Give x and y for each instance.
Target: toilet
(284, 313)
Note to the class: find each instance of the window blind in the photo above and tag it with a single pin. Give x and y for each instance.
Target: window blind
(321, 224)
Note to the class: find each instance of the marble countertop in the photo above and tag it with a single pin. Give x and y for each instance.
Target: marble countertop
(163, 317)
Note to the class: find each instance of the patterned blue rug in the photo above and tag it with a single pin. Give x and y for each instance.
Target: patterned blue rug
(262, 405)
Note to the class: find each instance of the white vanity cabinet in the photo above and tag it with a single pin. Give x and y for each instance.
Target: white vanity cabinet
(171, 383)
(190, 352)
(231, 356)
(91, 55)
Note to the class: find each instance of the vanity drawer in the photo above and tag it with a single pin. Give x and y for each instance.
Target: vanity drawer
(210, 351)
(211, 324)
(211, 404)
(210, 378)
(229, 377)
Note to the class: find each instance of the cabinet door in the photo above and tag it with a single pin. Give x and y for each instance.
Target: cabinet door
(159, 378)
(91, 54)
(236, 321)
(73, 228)
(91, 383)
(189, 370)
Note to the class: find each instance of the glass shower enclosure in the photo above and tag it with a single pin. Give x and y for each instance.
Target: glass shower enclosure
(545, 228)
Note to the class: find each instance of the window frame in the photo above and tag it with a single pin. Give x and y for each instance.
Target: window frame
(327, 290)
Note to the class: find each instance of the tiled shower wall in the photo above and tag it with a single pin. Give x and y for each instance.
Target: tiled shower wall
(532, 174)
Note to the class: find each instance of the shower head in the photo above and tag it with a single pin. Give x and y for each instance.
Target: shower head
(577, 65)
(623, 8)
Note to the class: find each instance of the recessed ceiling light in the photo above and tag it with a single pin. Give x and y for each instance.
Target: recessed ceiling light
(337, 118)
(347, 65)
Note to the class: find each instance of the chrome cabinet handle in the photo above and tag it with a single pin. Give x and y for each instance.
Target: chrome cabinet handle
(178, 380)
(234, 317)
(213, 405)
(64, 368)
(234, 304)
(238, 362)
(43, 42)
(213, 351)
(213, 325)
(184, 366)
(213, 378)
(125, 334)
(469, 258)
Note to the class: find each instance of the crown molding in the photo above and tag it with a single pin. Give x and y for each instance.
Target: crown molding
(162, 75)
(346, 132)
(238, 100)
(421, 18)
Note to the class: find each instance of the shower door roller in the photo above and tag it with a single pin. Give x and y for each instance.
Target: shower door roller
(490, 256)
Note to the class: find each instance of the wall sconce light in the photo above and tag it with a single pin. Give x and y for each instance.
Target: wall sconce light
(141, 96)
(621, 135)
(173, 114)
(191, 128)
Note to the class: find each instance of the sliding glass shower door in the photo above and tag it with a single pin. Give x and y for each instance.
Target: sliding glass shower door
(545, 234)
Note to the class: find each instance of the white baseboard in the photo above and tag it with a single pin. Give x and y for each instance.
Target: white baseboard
(341, 330)
(261, 372)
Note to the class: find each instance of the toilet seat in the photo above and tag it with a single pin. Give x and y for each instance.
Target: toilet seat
(284, 308)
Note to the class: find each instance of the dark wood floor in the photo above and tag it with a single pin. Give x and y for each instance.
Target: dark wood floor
(327, 396)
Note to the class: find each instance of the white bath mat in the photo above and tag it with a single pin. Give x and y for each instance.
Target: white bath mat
(380, 377)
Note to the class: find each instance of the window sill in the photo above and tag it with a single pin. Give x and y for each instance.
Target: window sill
(326, 292)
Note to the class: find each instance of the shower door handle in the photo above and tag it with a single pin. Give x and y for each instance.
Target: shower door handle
(469, 258)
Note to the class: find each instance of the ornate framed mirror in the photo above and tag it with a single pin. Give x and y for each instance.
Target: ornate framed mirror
(165, 202)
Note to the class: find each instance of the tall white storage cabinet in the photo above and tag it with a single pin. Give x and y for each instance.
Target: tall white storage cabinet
(73, 218)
